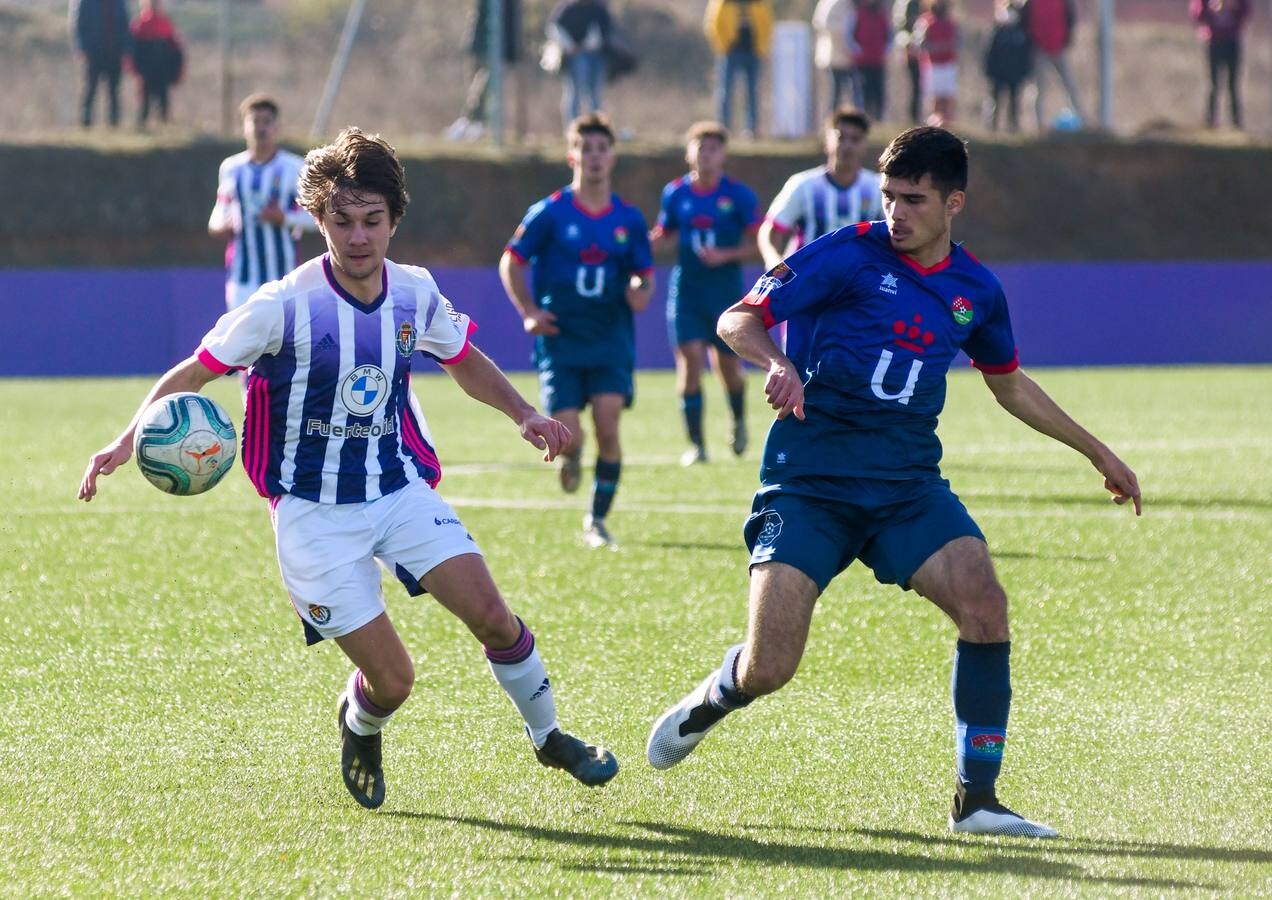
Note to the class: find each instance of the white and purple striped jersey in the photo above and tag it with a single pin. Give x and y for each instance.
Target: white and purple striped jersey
(811, 204)
(259, 252)
(330, 414)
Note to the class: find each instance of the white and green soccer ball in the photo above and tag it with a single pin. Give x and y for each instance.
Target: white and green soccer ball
(184, 443)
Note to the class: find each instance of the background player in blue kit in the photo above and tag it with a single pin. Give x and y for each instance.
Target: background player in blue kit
(713, 220)
(332, 436)
(592, 268)
(876, 313)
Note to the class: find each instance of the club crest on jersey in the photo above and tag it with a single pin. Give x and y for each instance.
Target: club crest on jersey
(889, 284)
(364, 390)
(724, 204)
(620, 234)
(406, 339)
(962, 309)
(320, 614)
(781, 274)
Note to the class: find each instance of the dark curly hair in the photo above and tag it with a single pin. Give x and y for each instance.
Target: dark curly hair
(355, 163)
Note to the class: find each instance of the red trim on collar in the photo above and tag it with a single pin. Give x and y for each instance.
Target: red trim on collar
(609, 208)
(927, 270)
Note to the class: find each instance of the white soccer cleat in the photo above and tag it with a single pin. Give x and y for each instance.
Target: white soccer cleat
(983, 814)
(682, 727)
(596, 535)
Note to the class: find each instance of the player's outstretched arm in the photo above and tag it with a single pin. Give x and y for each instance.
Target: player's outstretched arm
(481, 379)
(188, 375)
(741, 326)
(765, 239)
(1021, 396)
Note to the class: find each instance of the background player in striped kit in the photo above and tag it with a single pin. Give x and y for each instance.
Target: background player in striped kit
(820, 200)
(592, 268)
(712, 219)
(332, 437)
(256, 210)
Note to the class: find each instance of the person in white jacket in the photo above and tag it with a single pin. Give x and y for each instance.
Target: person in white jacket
(834, 21)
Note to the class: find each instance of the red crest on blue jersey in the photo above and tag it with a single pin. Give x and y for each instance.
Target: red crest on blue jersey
(701, 221)
(593, 256)
(620, 234)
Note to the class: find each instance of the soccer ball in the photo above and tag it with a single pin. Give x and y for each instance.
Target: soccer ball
(184, 443)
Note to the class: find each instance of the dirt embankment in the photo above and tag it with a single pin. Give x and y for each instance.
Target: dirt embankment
(1079, 198)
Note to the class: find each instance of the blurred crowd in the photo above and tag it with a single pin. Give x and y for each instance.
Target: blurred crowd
(1026, 57)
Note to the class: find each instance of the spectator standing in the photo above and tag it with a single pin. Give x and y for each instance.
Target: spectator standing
(1008, 62)
(1219, 24)
(157, 58)
(937, 36)
(873, 37)
(100, 28)
(581, 28)
(835, 21)
(472, 122)
(741, 33)
(905, 15)
(1050, 25)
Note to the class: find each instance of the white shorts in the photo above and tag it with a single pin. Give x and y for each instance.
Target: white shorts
(327, 553)
(942, 80)
(237, 294)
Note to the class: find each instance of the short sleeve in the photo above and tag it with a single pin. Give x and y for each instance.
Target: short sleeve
(808, 279)
(443, 332)
(666, 221)
(784, 212)
(244, 335)
(991, 344)
(533, 234)
(640, 257)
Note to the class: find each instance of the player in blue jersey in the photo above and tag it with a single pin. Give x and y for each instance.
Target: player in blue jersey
(591, 269)
(333, 438)
(712, 220)
(875, 314)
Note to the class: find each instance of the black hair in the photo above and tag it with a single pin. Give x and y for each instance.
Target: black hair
(927, 150)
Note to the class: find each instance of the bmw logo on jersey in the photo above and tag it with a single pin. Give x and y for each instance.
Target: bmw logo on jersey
(364, 390)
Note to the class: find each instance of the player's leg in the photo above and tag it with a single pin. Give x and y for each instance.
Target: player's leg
(959, 579)
(780, 609)
(562, 395)
(610, 391)
(462, 584)
(689, 356)
(728, 366)
(1232, 58)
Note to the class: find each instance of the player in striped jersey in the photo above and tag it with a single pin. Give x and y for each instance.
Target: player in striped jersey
(256, 210)
(821, 200)
(333, 438)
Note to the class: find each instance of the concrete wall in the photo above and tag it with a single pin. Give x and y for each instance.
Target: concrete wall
(127, 322)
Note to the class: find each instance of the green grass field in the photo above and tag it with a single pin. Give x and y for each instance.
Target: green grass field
(168, 732)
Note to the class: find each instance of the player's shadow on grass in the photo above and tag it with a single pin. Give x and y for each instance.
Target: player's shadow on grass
(730, 547)
(1095, 846)
(678, 842)
(1050, 557)
(1101, 498)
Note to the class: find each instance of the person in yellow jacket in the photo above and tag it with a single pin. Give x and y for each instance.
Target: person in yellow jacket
(740, 32)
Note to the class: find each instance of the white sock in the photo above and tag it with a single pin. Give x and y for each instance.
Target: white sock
(362, 716)
(525, 681)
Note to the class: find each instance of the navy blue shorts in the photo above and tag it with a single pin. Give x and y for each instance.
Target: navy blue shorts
(690, 320)
(570, 387)
(892, 527)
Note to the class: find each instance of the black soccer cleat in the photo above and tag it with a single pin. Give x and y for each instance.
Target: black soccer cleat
(360, 763)
(591, 765)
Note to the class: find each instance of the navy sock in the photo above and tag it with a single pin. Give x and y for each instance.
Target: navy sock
(981, 686)
(604, 486)
(691, 406)
(736, 404)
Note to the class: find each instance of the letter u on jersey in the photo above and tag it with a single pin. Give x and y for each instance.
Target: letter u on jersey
(876, 381)
(598, 281)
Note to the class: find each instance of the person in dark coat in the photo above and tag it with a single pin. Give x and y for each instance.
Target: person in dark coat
(157, 58)
(1219, 24)
(1008, 62)
(100, 31)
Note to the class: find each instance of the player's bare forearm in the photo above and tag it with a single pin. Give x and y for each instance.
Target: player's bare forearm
(1021, 396)
(188, 375)
(767, 247)
(513, 276)
(742, 328)
(482, 380)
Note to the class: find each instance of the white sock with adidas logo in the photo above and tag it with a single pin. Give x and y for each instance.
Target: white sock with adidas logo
(526, 684)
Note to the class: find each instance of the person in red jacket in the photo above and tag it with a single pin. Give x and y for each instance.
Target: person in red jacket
(873, 37)
(1219, 24)
(938, 38)
(1050, 25)
(157, 58)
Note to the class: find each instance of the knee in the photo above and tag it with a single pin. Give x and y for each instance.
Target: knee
(393, 685)
(765, 675)
(983, 618)
(493, 624)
